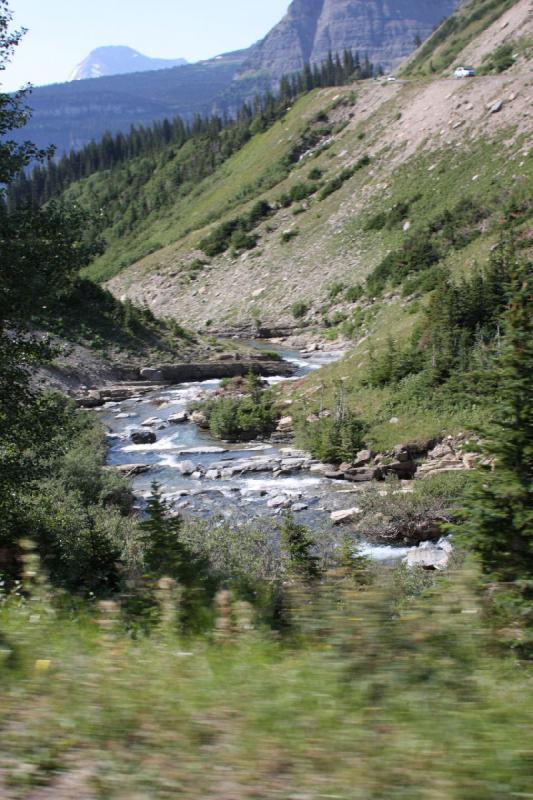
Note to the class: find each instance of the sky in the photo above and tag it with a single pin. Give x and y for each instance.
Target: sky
(61, 33)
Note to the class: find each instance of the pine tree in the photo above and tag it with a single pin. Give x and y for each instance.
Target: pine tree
(297, 545)
(498, 519)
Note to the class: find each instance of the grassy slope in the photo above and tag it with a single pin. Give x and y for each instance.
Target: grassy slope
(431, 141)
(442, 49)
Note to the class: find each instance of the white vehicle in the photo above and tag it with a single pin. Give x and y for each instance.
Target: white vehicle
(464, 72)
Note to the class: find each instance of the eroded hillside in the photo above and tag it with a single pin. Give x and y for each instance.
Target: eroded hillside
(430, 143)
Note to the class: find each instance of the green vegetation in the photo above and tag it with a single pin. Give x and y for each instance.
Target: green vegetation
(498, 517)
(454, 34)
(299, 309)
(501, 60)
(425, 248)
(337, 182)
(333, 438)
(236, 232)
(151, 656)
(242, 418)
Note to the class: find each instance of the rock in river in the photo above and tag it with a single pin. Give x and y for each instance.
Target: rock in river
(349, 514)
(143, 437)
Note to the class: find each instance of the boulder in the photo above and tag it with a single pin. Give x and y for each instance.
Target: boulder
(297, 507)
(179, 419)
(362, 474)
(278, 502)
(199, 419)
(143, 437)
(152, 422)
(346, 515)
(362, 458)
(186, 467)
(212, 474)
(403, 469)
(131, 470)
(285, 425)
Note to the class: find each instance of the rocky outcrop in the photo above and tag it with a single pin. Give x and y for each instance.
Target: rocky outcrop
(148, 379)
(385, 31)
(407, 461)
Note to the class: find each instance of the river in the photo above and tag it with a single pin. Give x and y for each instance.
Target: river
(240, 497)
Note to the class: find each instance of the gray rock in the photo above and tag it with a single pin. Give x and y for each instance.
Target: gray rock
(186, 467)
(212, 474)
(346, 515)
(131, 470)
(179, 419)
(297, 507)
(281, 501)
(150, 374)
(152, 422)
(496, 107)
(143, 437)
(362, 458)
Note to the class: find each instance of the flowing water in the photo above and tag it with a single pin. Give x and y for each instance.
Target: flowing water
(248, 494)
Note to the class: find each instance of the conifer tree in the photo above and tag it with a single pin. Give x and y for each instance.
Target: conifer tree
(497, 521)
(298, 545)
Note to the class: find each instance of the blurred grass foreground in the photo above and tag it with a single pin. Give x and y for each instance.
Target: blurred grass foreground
(396, 689)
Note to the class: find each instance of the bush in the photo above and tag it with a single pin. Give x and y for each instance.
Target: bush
(299, 309)
(287, 236)
(501, 60)
(353, 293)
(334, 439)
(241, 419)
(335, 289)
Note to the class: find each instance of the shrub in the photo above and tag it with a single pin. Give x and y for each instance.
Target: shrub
(241, 419)
(315, 174)
(335, 289)
(501, 60)
(353, 293)
(287, 236)
(334, 439)
(299, 309)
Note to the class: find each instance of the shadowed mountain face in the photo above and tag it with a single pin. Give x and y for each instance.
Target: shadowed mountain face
(386, 30)
(119, 61)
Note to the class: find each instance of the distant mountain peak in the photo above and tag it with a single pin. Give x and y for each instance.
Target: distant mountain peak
(119, 60)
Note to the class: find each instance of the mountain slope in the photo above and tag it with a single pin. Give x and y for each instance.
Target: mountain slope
(434, 140)
(113, 60)
(70, 115)
(385, 31)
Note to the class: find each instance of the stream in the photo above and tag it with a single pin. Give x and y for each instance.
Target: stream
(185, 460)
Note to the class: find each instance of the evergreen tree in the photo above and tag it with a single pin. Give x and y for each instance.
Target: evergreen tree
(298, 545)
(497, 521)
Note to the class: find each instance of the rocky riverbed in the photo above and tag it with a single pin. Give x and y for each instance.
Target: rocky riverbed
(152, 438)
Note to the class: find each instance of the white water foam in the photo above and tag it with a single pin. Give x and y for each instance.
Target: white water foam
(167, 443)
(384, 552)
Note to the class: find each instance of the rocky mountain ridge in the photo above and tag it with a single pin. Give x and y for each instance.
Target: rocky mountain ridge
(386, 31)
(119, 60)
